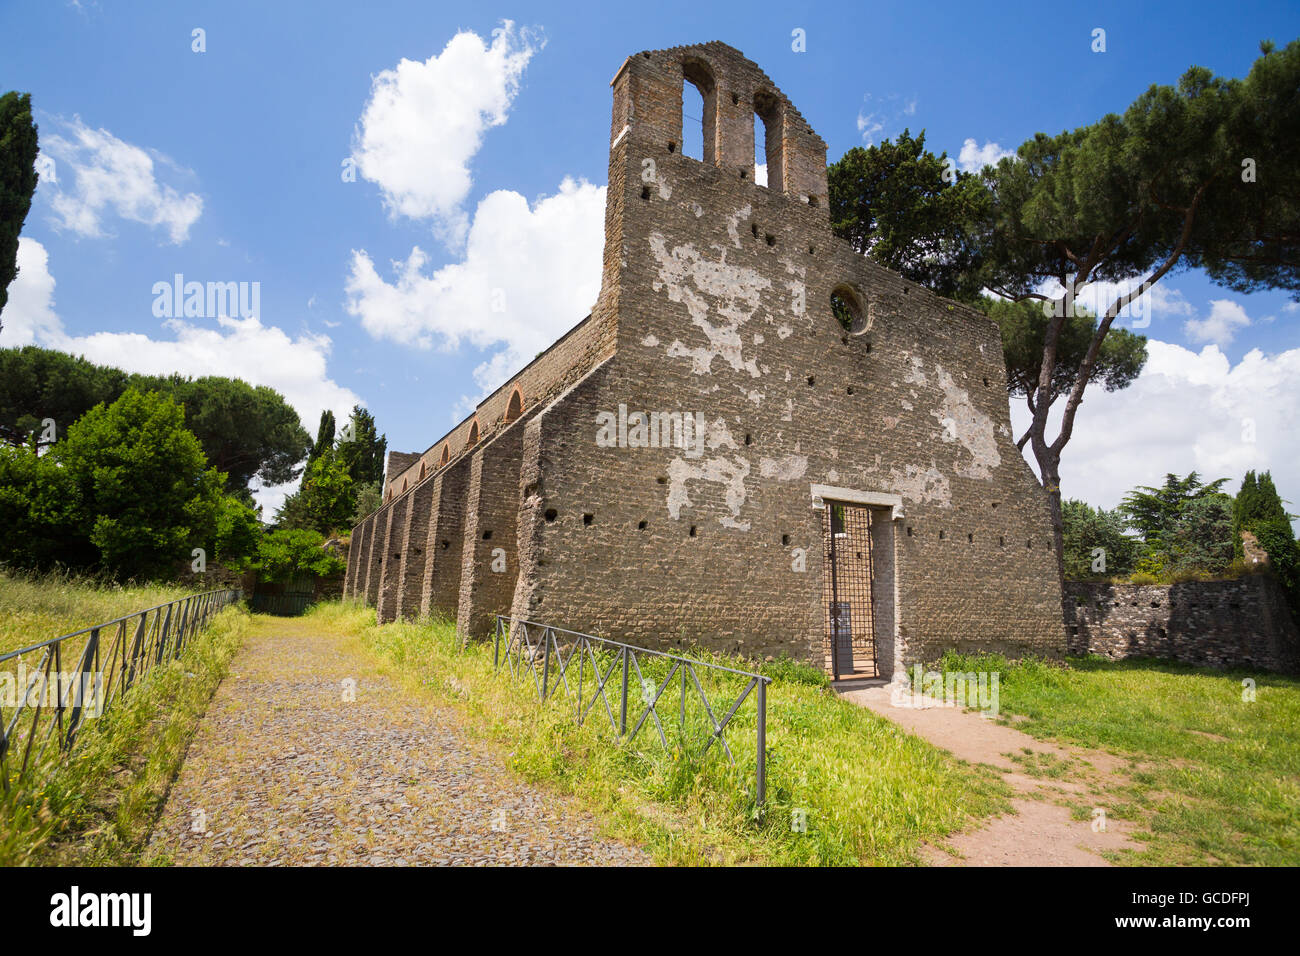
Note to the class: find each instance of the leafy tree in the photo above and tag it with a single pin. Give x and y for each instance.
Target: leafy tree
(325, 502)
(245, 431)
(369, 497)
(39, 513)
(18, 149)
(1087, 529)
(1202, 537)
(361, 448)
(1257, 504)
(1131, 198)
(237, 533)
(1259, 509)
(1166, 520)
(143, 491)
(37, 383)
(288, 552)
(1024, 330)
(910, 210)
(324, 438)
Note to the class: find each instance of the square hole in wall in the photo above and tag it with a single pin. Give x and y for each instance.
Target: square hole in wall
(588, 519)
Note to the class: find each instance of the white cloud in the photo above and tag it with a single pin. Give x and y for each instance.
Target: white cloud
(879, 112)
(29, 315)
(1186, 411)
(424, 122)
(760, 174)
(237, 348)
(1226, 318)
(974, 157)
(869, 125)
(112, 177)
(528, 275)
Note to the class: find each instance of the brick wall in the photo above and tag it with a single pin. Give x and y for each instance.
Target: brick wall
(1238, 623)
(716, 302)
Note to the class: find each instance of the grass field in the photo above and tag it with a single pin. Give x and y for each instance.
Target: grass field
(867, 792)
(99, 805)
(36, 608)
(1213, 756)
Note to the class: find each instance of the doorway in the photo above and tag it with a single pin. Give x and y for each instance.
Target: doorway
(850, 613)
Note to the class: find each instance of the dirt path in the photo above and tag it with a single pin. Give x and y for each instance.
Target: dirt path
(286, 770)
(1041, 831)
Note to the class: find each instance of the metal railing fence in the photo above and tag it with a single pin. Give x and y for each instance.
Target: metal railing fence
(548, 653)
(47, 703)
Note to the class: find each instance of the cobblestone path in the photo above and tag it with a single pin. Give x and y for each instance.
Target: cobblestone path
(286, 770)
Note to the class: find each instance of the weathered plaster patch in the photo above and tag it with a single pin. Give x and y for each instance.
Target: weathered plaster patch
(707, 287)
(966, 424)
(650, 341)
(798, 291)
(729, 472)
(907, 406)
(920, 486)
(788, 414)
(916, 374)
(733, 223)
(784, 331)
(788, 468)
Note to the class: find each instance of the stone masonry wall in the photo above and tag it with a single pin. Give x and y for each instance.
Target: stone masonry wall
(441, 586)
(1238, 623)
(725, 312)
(716, 302)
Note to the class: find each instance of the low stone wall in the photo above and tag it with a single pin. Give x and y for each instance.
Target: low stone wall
(1238, 623)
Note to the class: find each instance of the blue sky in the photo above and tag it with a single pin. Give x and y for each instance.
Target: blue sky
(227, 165)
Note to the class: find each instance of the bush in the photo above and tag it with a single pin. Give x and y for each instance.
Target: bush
(288, 552)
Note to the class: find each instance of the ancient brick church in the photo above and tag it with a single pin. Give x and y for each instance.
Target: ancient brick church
(758, 441)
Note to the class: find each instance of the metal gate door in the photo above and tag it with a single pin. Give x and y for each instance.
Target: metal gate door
(850, 637)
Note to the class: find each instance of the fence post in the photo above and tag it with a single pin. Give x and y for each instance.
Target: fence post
(78, 690)
(622, 711)
(137, 648)
(762, 742)
(546, 666)
(582, 663)
(163, 634)
(496, 646)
